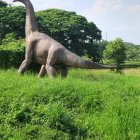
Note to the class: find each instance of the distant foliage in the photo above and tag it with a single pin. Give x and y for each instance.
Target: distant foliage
(3, 4)
(115, 53)
(132, 52)
(95, 51)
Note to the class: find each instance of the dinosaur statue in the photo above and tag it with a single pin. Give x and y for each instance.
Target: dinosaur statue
(47, 51)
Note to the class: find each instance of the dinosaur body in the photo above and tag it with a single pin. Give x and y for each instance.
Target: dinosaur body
(47, 51)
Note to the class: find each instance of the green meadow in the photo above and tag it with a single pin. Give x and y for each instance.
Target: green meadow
(87, 105)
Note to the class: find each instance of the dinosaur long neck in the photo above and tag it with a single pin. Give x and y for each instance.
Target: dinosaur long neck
(31, 25)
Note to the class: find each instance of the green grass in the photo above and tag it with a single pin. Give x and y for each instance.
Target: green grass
(87, 105)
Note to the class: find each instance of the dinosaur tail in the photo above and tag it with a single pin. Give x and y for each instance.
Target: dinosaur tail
(74, 60)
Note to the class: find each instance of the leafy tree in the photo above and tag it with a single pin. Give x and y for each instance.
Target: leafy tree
(95, 50)
(92, 52)
(12, 19)
(115, 52)
(8, 38)
(70, 29)
(132, 52)
(3, 4)
(10, 43)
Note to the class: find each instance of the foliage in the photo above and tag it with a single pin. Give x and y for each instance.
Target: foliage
(115, 52)
(10, 58)
(70, 29)
(8, 38)
(3, 4)
(12, 19)
(95, 51)
(11, 51)
(132, 52)
(87, 105)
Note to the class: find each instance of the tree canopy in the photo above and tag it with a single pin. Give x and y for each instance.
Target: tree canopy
(132, 52)
(115, 52)
(3, 4)
(12, 20)
(70, 29)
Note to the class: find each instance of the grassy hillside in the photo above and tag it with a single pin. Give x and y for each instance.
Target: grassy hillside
(87, 105)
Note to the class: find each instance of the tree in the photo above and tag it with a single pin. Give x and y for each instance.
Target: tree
(70, 29)
(12, 19)
(132, 52)
(8, 38)
(95, 50)
(3, 4)
(115, 52)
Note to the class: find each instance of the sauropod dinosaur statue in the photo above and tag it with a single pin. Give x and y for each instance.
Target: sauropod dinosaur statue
(47, 51)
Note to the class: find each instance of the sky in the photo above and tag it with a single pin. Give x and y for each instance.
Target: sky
(115, 18)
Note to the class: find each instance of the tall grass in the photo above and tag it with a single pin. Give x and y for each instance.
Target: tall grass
(86, 105)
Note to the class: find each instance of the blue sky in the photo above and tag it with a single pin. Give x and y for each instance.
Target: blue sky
(115, 18)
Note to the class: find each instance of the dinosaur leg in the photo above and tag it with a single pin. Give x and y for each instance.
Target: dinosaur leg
(42, 71)
(52, 57)
(23, 66)
(26, 62)
(64, 72)
(51, 71)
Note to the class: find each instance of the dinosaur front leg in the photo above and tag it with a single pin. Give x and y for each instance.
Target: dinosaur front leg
(28, 59)
(42, 71)
(23, 66)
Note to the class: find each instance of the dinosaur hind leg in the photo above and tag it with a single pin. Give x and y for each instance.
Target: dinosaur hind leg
(52, 57)
(42, 71)
(64, 72)
(51, 71)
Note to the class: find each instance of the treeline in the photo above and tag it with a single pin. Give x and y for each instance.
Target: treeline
(73, 31)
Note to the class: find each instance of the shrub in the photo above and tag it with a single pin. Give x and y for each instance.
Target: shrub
(115, 52)
(11, 52)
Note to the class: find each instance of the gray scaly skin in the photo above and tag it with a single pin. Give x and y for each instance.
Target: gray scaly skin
(47, 51)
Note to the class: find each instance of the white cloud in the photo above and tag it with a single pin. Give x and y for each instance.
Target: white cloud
(134, 8)
(45, 4)
(102, 7)
(122, 28)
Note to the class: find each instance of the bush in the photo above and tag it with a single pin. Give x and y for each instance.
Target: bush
(11, 52)
(10, 58)
(115, 52)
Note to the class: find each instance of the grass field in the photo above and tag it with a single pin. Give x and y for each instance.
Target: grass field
(88, 105)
